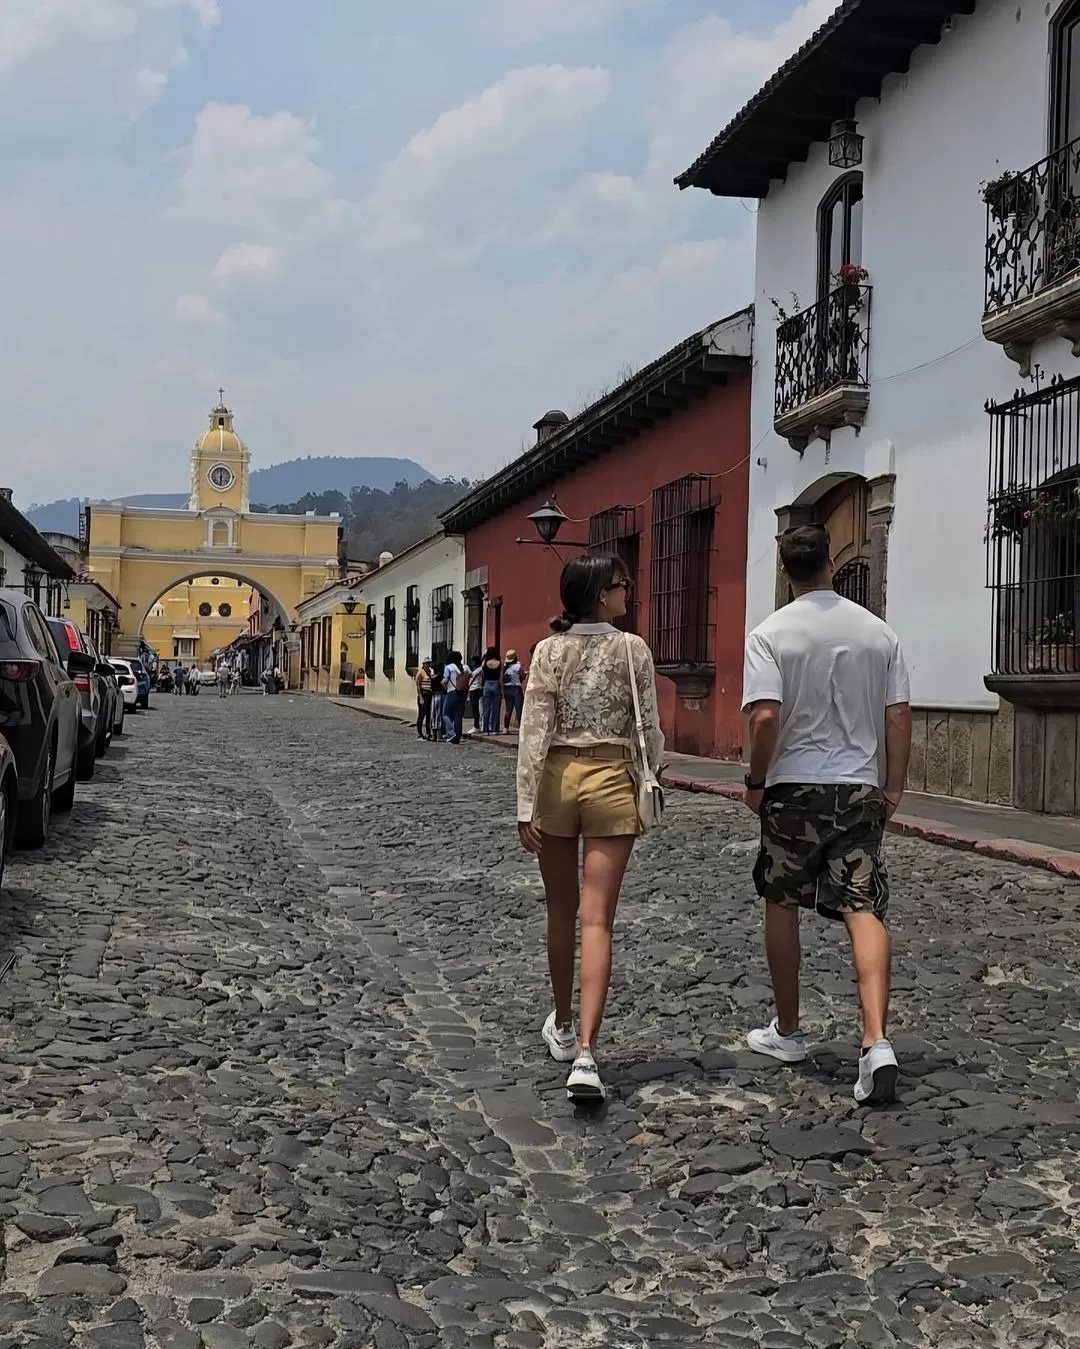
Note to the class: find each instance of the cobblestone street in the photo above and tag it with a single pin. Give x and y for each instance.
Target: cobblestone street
(273, 1076)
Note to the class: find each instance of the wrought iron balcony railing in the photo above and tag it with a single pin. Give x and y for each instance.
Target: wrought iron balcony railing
(1032, 228)
(823, 348)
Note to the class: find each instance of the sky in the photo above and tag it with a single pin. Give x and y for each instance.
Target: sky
(385, 229)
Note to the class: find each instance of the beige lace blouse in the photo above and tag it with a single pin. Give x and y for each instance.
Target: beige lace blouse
(579, 694)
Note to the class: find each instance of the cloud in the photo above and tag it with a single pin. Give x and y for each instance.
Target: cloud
(529, 20)
(245, 260)
(31, 28)
(198, 309)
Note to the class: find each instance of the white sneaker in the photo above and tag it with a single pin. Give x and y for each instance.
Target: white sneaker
(877, 1075)
(786, 1048)
(584, 1083)
(561, 1040)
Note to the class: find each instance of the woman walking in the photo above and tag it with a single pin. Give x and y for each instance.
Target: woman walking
(576, 780)
(423, 701)
(438, 698)
(513, 690)
(476, 694)
(491, 686)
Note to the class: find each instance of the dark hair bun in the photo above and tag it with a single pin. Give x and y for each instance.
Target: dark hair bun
(563, 623)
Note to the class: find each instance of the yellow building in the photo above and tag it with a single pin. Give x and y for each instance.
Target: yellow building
(144, 554)
(332, 638)
(197, 619)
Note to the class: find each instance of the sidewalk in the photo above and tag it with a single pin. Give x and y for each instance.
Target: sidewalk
(1048, 841)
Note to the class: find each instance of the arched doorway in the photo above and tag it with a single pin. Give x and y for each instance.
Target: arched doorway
(857, 512)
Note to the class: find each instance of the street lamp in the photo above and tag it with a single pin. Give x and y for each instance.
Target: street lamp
(350, 606)
(549, 519)
(845, 144)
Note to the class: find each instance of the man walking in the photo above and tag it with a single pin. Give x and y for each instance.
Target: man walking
(826, 690)
(224, 678)
(179, 680)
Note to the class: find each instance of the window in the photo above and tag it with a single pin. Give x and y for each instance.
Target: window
(412, 629)
(41, 637)
(1033, 531)
(389, 637)
(205, 610)
(618, 531)
(474, 625)
(853, 581)
(220, 535)
(370, 625)
(442, 624)
(225, 610)
(682, 539)
(1065, 109)
(840, 221)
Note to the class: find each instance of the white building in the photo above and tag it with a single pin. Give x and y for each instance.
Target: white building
(869, 404)
(413, 609)
(29, 563)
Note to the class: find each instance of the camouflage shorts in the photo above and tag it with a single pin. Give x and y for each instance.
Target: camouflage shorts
(821, 848)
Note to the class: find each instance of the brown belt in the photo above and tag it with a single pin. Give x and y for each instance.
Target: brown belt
(591, 751)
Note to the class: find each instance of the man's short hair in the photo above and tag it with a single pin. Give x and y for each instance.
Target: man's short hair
(804, 552)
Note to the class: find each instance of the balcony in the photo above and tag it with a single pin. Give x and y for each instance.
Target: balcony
(822, 366)
(1033, 256)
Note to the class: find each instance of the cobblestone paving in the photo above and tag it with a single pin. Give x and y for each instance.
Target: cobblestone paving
(273, 1077)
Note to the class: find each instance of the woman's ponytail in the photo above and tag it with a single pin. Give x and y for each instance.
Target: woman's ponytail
(563, 623)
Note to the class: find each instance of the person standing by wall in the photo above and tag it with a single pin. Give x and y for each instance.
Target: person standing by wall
(513, 690)
(456, 682)
(491, 689)
(476, 690)
(179, 680)
(826, 690)
(438, 699)
(423, 700)
(577, 793)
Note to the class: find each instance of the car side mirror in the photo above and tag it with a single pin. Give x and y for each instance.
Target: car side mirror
(79, 663)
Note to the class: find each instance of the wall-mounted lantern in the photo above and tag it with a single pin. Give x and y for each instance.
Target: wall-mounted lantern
(845, 144)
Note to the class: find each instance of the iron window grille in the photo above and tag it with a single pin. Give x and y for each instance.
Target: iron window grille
(853, 581)
(442, 624)
(823, 347)
(412, 628)
(474, 626)
(389, 652)
(370, 629)
(1032, 228)
(618, 531)
(680, 603)
(1033, 530)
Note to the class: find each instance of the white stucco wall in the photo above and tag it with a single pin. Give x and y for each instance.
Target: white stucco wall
(968, 108)
(438, 563)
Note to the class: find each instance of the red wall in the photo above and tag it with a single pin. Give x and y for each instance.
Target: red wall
(711, 436)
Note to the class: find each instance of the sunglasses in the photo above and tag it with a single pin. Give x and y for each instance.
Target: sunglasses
(624, 584)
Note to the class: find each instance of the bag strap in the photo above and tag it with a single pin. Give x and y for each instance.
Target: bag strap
(637, 705)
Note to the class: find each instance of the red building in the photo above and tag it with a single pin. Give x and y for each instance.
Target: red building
(658, 472)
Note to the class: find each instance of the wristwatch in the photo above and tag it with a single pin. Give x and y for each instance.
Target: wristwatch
(752, 786)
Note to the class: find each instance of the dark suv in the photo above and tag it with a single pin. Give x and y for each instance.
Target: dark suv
(97, 692)
(39, 713)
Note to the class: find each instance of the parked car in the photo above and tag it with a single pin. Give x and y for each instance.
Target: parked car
(9, 803)
(127, 681)
(93, 692)
(207, 676)
(143, 682)
(119, 707)
(40, 714)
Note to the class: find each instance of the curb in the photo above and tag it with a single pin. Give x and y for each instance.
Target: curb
(1015, 850)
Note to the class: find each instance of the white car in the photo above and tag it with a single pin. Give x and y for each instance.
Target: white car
(129, 685)
(207, 677)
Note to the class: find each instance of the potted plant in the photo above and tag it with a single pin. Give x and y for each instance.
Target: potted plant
(1010, 512)
(1009, 195)
(849, 281)
(790, 323)
(1052, 646)
(1064, 251)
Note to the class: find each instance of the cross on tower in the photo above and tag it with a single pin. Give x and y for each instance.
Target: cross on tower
(221, 396)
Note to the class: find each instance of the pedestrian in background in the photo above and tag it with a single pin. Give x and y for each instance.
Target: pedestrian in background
(179, 680)
(476, 686)
(575, 781)
(193, 681)
(513, 690)
(423, 700)
(223, 676)
(491, 685)
(438, 699)
(826, 690)
(456, 682)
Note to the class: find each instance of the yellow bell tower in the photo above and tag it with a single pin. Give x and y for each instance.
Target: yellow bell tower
(220, 464)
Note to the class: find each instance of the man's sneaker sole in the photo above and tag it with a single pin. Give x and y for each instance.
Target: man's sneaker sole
(883, 1090)
(587, 1092)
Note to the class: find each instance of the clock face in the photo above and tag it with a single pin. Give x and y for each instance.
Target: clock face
(221, 477)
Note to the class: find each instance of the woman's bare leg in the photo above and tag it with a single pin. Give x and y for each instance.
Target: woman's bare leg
(605, 864)
(559, 868)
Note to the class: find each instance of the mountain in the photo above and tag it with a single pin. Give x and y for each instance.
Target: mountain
(282, 482)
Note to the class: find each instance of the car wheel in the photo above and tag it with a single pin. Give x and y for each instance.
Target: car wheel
(35, 814)
(7, 811)
(119, 730)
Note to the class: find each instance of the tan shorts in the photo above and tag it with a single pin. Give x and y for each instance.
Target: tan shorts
(587, 793)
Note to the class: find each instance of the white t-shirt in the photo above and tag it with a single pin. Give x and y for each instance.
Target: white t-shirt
(834, 668)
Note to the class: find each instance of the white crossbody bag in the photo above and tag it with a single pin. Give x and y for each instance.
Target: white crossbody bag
(650, 795)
